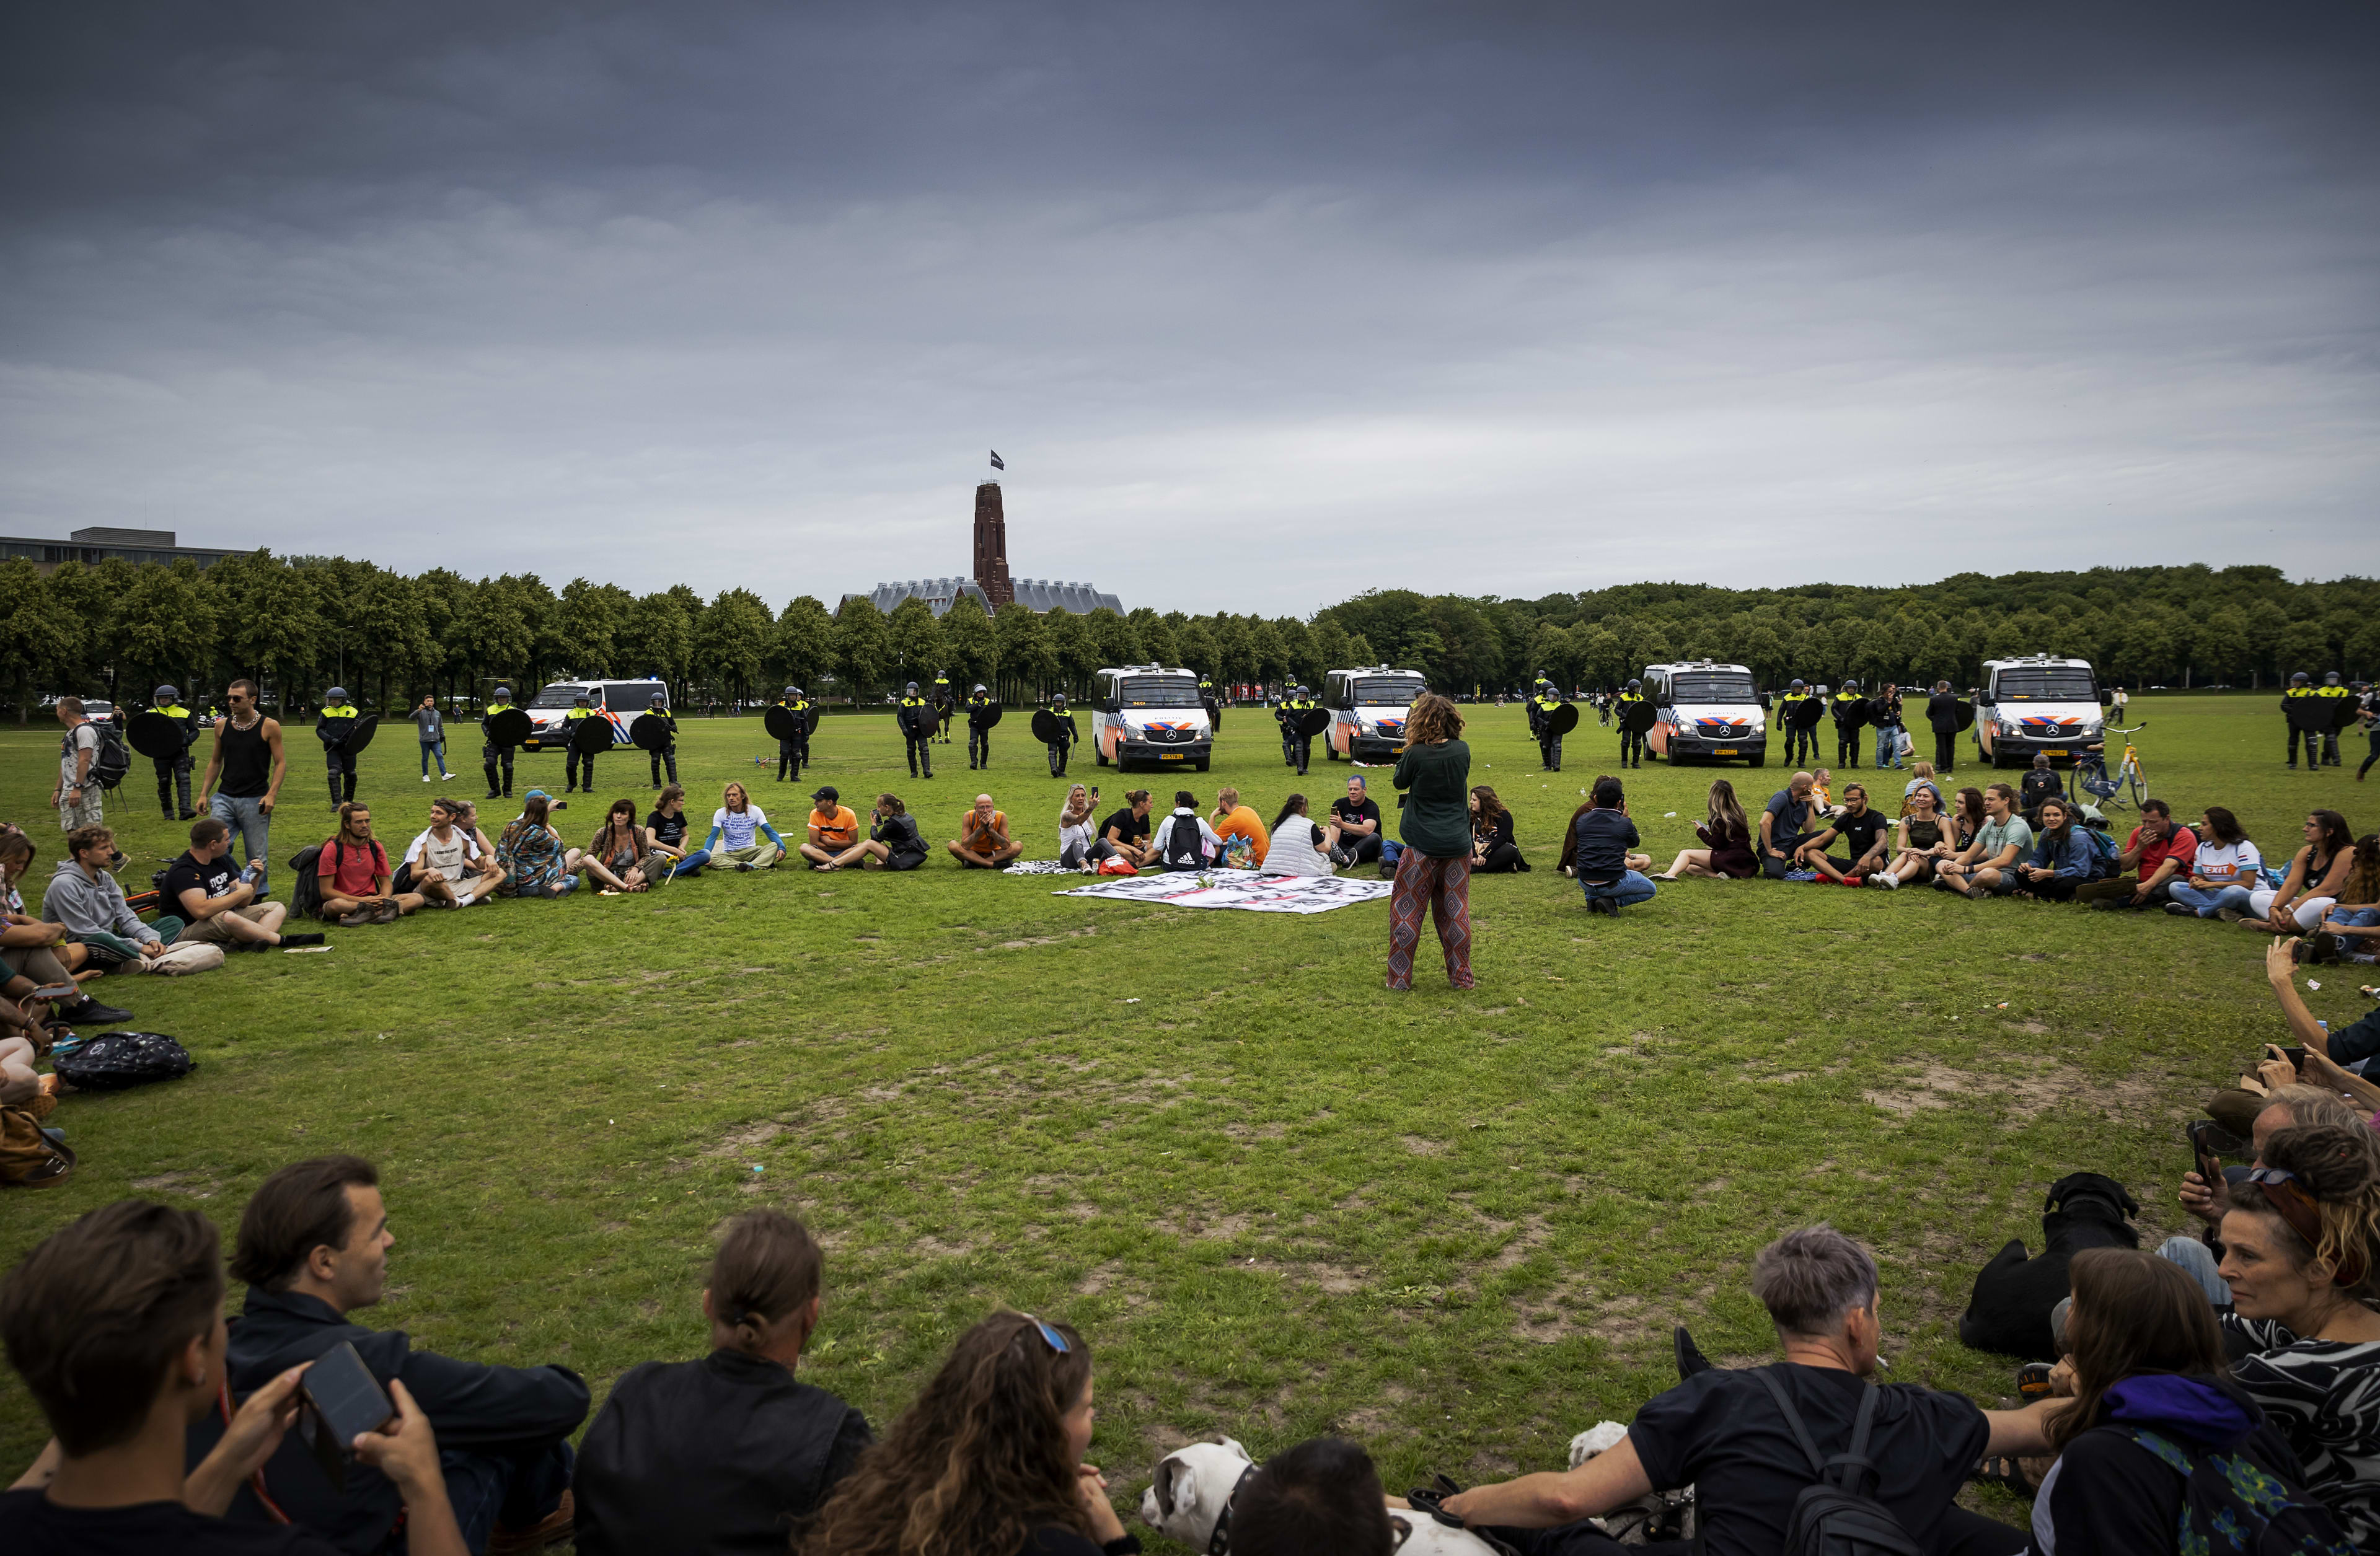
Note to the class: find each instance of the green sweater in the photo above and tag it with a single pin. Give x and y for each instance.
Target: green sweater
(1437, 821)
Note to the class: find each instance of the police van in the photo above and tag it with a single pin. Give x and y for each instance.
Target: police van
(1368, 709)
(2039, 705)
(1148, 714)
(616, 702)
(1706, 712)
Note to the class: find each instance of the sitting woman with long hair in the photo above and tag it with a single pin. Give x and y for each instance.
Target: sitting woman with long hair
(1297, 847)
(1726, 852)
(1080, 846)
(2152, 1400)
(988, 1461)
(1493, 849)
(2351, 929)
(1967, 817)
(2224, 870)
(2316, 872)
(1926, 837)
(622, 857)
(2060, 860)
(531, 854)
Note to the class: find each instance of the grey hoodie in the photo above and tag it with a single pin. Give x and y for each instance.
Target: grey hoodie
(85, 906)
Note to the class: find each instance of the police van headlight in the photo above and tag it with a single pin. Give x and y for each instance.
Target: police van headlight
(2005, 727)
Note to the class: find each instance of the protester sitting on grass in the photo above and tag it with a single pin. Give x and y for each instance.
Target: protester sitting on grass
(2159, 854)
(2350, 927)
(2039, 782)
(983, 841)
(2060, 858)
(356, 874)
(621, 857)
(1611, 876)
(2316, 871)
(84, 898)
(31, 950)
(1494, 849)
(728, 1453)
(830, 839)
(2301, 1249)
(2280, 1107)
(1323, 1495)
(666, 825)
(446, 863)
(1969, 816)
(1863, 831)
(116, 1324)
(1786, 822)
(894, 842)
(1355, 831)
(1725, 853)
(2151, 1387)
(1922, 777)
(1126, 831)
(1723, 1432)
(217, 902)
(1822, 791)
(2223, 868)
(535, 863)
(313, 1248)
(1184, 839)
(1079, 845)
(1299, 847)
(738, 825)
(1923, 840)
(1240, 831)
(1986, 868)
(988, 1460)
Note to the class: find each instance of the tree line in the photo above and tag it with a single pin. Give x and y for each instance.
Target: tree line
(302, 623)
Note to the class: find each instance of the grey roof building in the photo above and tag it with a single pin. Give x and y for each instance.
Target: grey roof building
(1034, 594)
(97, 544)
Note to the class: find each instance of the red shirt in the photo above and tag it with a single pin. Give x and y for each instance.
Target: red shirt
(2177, 845)
(359, 876)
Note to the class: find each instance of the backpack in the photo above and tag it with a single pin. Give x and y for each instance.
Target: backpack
(120, 1061)
(110, 759)
(1834, 1515)
(1185, 848)
(30, 1156)
(306, 892)
(2104, 852)
(2232, 1504)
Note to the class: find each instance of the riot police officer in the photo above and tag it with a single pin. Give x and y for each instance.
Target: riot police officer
(1543, 701)
(173, 773)
(1629, 710)
(493, 755)
(578, 770)
(917, 718)
(337, 722)
(2340, 701)
(944, 701)
(1801, 738)
(1059, 747)
(792, 753)
(667, 753)
(980, 732)
(1296, 748)
(1849, 711)
(2301, 705)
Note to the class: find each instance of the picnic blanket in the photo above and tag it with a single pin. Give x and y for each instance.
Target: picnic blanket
(1241, 889)
(1040, 866)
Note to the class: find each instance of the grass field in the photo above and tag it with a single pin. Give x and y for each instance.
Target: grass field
(1277, 1197)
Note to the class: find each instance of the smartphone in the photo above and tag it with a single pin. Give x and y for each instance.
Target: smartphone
(2296, 1056)
(340, 1402)
(2209, 1143)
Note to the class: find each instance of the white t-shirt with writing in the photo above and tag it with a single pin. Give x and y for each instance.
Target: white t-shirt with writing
(738, 829)
(2234, 864)
(447, 858)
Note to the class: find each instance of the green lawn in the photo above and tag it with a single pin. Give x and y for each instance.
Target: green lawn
(1280, 1199)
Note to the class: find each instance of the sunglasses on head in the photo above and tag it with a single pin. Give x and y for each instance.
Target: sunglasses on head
(2271, 1175)
(1057, 1341)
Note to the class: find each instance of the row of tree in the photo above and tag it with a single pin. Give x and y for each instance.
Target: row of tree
(301, 623)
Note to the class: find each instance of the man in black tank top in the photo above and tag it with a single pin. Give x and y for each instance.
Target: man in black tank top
(244, 775)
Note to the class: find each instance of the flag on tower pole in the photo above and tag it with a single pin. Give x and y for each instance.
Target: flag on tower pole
(997, 462)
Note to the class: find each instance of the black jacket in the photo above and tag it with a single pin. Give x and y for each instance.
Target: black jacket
(469, 1405)
(1942, 712)
(717, 1455)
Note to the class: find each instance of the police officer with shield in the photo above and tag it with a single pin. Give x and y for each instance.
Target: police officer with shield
(944, 700)
(666, 752)
(1544, 703)
(1801, 732)
(334, 729)
(1849, 711)
(793, 747)
(1634, 713)
(174, 771)
(915, 716)
(577, 766)
(1296, 740)
(1054, 727)
(498, 736)
(983, 711)
(2340, 701)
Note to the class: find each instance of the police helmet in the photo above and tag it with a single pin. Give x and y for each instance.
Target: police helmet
(1850, 686)
(792, 691)
(2329, 680)
(1636, 686)
(1054, 696)
(504, 694)
(1797, 686)
(582, 696)
(979, 686)
(339, 694)
(2301, 679)
(912, 685)
(163, 695)
(657, 700)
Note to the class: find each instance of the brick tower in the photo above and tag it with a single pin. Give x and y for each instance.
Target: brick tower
(991, 547)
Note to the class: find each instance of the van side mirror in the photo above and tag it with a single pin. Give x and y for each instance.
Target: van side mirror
(2106, 698)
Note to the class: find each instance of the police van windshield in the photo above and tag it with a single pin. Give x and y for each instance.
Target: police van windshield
(1706, 686)
(561, 696)
(1159, 691)
(1386, 691)
(2049, 683)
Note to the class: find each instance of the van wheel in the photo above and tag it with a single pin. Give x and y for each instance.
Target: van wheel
(1099, 756)
(1202, 764)
(1760, 760)
(1330, 753)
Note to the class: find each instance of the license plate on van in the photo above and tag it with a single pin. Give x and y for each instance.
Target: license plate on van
(1169, 755)
(2058, 753)
(1727, 751)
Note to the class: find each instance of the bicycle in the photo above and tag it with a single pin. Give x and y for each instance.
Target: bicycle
(2089, 774)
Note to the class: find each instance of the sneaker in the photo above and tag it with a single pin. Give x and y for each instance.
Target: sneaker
(425, 777)
(2179, 910)
(445, 777)
(2319, 947)
(356, 920)
(743, 867)
(88, 1012)
(307, 938)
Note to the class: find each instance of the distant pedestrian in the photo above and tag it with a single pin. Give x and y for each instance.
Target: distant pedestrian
(431, 728)
(76, 795)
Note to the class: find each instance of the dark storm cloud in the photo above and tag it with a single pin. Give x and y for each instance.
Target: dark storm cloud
(1502, 298)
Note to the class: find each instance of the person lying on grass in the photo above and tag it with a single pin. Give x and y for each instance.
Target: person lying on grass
(983, 841)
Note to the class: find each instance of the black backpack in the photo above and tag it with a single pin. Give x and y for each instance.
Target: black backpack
(111, 759)
(120, 1061)
(1185, 848)
(2232, 1506)
(1834, 1515)
(305, 886)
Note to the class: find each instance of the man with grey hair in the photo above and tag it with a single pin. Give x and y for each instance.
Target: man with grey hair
(1722, 1432)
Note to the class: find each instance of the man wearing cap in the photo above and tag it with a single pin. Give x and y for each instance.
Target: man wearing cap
(791, 753)
(1063, 717)
(336, 725)
(659, 709)
(174, 771)
(493, 755)
(430, 725)
(833, 839)
(577, 768)
(980, 705)
(1801, 738)
(2335, 696)
(916, 719)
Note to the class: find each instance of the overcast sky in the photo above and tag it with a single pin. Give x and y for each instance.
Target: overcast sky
(1263, 305)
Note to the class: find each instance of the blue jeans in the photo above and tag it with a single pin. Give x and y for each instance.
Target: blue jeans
(691, 863)
(1887, 746)
(251, 827)
(2208, 902)
(431, 748)
(1628, 891)
(495, 1488)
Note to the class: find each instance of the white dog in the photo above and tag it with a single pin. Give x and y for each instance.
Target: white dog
(1194, 1484)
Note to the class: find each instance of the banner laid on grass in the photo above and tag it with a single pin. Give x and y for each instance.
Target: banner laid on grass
(1232, 888)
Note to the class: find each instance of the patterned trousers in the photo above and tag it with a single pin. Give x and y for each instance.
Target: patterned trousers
(1442, 889)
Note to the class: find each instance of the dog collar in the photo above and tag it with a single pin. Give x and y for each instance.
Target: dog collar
(1219, 1542)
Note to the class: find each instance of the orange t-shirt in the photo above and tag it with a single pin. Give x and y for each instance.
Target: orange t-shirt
(1243, 822)
(838, 831)
(976, 839)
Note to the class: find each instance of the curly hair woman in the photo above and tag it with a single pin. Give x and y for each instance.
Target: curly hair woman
(988, 1461)
(1434, 870)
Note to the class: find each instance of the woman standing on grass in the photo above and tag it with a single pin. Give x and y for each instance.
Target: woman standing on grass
(1727, 840)
(1434, 870)
(988, 1461)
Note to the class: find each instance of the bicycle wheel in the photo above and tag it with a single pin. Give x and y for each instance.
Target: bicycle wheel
(2136, 786)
